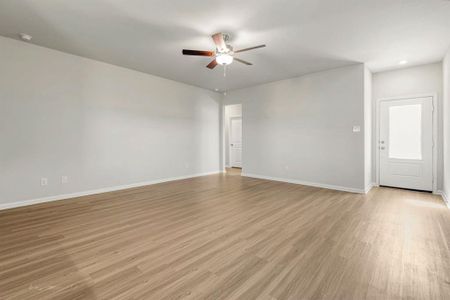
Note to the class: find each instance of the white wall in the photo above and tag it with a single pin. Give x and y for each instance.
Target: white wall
(231, 111)
(367, 129)
(446, 128)
(300, 129)
(99, 124)
(425, 79)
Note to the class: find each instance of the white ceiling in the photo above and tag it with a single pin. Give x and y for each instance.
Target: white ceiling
(302, 36)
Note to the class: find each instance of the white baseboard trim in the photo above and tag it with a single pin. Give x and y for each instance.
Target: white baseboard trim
(368, 187)
(99, 191)
(444, 197)
(308, 183)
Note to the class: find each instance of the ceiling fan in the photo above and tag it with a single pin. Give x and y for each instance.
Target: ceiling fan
(224, 53)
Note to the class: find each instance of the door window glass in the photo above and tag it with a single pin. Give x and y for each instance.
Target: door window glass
(405, 131)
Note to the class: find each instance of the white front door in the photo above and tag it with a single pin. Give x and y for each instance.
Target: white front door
(406, 143)
(236, 142)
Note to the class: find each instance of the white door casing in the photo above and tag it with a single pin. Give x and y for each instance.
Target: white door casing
(406, 143)
(235, 142)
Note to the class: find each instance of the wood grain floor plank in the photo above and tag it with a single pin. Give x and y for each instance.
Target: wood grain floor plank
(228, 237)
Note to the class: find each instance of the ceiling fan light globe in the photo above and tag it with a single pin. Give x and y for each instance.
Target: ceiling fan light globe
(224, 59)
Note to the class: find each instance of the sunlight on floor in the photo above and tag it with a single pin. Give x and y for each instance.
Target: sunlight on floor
(426, 203)
(234, 171)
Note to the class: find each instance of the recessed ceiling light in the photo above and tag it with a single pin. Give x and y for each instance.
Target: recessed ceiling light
(403, 62)
(25, 37)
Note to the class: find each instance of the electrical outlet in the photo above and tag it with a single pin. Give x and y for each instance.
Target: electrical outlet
(356, 128)
(44, 181)
(64, 179)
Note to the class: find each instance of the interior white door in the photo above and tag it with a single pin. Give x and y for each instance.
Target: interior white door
(406, 143)
(236, 142)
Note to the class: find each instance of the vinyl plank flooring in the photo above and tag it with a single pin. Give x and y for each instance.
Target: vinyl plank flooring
(228, 237)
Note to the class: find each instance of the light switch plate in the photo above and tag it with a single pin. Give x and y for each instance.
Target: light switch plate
(356, 128)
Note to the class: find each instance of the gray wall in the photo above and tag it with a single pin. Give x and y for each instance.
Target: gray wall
(367, 129)
(98, 124)
(446, 125)
(407, 82)
(300, 129)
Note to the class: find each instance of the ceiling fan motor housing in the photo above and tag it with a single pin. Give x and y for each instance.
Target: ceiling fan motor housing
(226, 37)
(229, 50)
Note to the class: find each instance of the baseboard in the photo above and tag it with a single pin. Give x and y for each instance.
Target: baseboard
(308, 183)
(368, 187)
(99, 191)
(444, 197)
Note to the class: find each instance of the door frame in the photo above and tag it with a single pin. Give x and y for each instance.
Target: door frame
(434, 134)
(229, 138)
(223, 122)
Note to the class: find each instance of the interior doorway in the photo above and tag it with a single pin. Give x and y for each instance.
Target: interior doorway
(233, 137)
(406, 143)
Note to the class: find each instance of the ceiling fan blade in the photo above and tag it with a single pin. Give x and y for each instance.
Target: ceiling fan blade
(219, 41)
(243, 61)
(198, 52)
(212, 64)
(251, 48)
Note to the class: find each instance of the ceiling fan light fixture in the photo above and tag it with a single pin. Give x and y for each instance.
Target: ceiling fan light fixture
(224, 59)
(223, 54)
